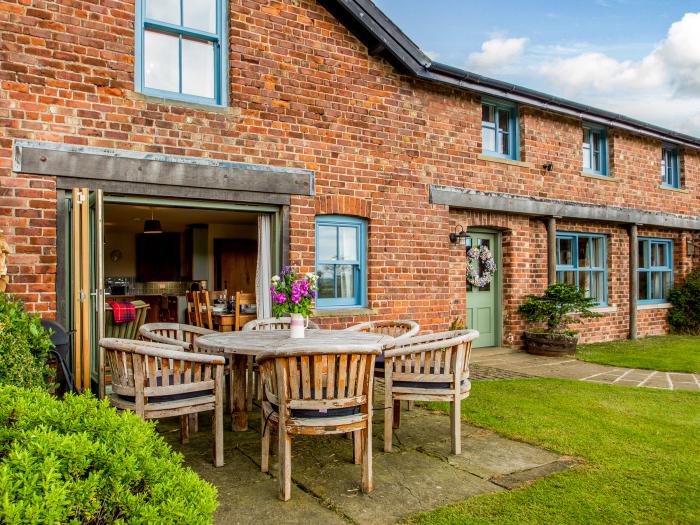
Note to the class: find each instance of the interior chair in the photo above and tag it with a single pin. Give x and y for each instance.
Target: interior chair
(316, 392)
(156, 380)
(433, 367)
(243, 300)
(128, 330)
(202, 310)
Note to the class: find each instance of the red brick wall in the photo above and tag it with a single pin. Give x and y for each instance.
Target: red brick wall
(303, 93)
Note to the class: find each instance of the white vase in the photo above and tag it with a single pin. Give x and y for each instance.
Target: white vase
(297, 326)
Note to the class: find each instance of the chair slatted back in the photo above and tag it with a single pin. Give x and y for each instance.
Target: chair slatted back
(272, 323)
(395, 329)
(146, 370)
(182, 335)
(318, 380)
(128, 330)
(242, 298)
(433, 358)
(202, 309)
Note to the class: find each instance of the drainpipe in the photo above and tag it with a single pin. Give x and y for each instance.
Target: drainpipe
(634, 279)
(551, 250)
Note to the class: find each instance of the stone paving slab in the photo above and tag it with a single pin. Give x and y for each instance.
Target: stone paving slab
(520, 362)
(420, 474)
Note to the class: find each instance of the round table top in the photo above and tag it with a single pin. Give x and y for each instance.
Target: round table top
(255, 342)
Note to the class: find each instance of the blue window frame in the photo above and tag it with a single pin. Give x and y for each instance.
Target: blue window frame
(181, 50)
(655, 270)
(499, 129)
(670, 169)
(595, 150)
(582, 261)
(341, 261)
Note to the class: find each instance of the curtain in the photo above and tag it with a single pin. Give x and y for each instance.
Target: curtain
(264, 268)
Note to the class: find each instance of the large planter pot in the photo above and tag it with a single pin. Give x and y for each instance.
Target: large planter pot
(553, 345)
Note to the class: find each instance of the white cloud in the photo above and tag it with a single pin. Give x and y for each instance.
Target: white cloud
(675, 62)
(498, 52)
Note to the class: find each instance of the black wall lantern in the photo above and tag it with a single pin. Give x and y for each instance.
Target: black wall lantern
(459, 234)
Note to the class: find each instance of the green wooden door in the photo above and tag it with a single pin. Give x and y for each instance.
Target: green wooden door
(483, 303)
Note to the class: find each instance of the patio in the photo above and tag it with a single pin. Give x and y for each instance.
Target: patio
(419, 475)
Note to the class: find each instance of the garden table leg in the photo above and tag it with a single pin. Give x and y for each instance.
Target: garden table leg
(239, 416)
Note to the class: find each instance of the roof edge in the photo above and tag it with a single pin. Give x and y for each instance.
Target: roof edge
(396, 46)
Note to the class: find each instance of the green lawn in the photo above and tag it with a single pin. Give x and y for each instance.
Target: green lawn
(641, 449)
(670, 353)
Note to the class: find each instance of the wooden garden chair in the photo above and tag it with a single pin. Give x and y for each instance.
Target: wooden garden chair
(396, 329)
(156, 380)
(316, 392)
(184, 336)
(272, 323)
(433, 367)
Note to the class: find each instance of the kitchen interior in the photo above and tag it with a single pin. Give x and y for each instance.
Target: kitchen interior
(157, 254)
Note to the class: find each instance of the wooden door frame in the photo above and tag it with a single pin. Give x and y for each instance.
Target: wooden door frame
(498, 257)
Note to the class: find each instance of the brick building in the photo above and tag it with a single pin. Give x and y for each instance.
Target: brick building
(366, 155)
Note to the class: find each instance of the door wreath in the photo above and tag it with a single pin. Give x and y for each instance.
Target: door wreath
(483, 254)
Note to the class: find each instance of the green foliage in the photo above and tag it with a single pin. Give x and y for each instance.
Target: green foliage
(24, 346)
(554, 306)
(684, 315)
(79, 461)
(640, 449)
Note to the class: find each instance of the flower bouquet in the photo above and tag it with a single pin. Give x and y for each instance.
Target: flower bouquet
(293, 294)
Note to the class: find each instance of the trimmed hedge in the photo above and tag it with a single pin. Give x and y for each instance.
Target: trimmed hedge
(24, 346)
(79, 461)
(684, 315)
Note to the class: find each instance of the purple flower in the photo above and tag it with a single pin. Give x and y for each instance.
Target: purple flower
(313, 294)
(285, 271)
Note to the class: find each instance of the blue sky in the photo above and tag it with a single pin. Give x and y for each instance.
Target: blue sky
(640, 58)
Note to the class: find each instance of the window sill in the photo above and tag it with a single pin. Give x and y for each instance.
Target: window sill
(215, 108)
(599, 177)
(654, 306)
(343, 312)
(671, 188)
(503, 160)
(604, 309)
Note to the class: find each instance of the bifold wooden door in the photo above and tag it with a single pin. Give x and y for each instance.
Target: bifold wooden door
(85, 286)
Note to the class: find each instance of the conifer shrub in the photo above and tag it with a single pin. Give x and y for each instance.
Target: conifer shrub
(79, 461)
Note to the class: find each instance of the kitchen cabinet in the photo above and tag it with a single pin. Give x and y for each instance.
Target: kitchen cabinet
(158, 257)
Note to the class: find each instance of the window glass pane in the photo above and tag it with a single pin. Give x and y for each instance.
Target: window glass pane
(565, 255)
(657, 291)
(326, 281)
(347, 237)
(198, 68)
(504, 120)
(488, 114)
(199, 14)
(568, 277)
(598, 286)
(164, 11)
(595, 161)
(345, 281)
(667, 284)
(327, 243)
(505, 144)
(598, 256)
(584, 252)
(643, 286)
(643, 254)
(584, 282)
(661, 259)
(655, 254)
(160, 61)
(586, 157)
(488, 136)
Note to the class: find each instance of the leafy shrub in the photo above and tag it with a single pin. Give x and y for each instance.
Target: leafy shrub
(684, 315)
(79, 461)
(24, 346)
(555, 306)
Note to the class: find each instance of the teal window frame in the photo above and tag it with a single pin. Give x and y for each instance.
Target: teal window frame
(513, 127)
(670, 168)
(359, 300)
(646, 270)
(576, 239)
(219, 40)
(589, 151)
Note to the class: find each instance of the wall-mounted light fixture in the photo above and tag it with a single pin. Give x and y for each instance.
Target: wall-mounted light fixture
(548, 166)
(459, 234)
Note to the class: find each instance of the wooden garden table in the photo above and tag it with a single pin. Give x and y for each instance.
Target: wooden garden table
(240, 345)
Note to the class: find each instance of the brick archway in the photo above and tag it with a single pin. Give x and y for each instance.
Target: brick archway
(343, 205)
